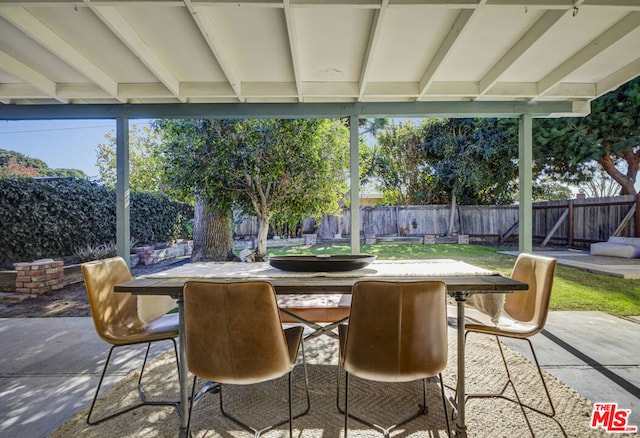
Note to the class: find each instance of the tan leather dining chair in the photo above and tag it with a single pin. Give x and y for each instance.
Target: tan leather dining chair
(524, 315)
(234, 336)
(115, 317)
(397, 332)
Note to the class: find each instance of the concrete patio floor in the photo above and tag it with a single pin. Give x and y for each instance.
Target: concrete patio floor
(582, 259)
(49, 367)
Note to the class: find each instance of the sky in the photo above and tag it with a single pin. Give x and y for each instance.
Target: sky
(66, 144)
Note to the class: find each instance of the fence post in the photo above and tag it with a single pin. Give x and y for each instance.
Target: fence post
(570, 231)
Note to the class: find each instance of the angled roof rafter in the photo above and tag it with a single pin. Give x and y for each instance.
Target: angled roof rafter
(609, 37)
(39, 32)
(208, 31)
(29, 75)
(374, 38)
(128, 35)
(546, 22)
(293, 46)
(463, 18)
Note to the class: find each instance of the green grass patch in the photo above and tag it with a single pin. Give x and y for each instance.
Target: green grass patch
(573, 288)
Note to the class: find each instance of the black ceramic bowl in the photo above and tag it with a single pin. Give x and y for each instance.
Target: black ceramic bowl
(321, 263)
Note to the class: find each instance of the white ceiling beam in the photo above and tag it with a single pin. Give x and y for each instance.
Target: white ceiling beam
(463, 18)
(208, 31)
(20, 91)
(14, 92)
(150, 90)
(609, 37)
(372, 45)
(38, 31)
(626, 4)
(546, 22)
(129, 37)
(294, 47)
(572, 90)
(83, 91)
(25, 73)
(622, 76)
(538, 4)
(382, 89)
(327, 89)
(213, 90)
(270, 89)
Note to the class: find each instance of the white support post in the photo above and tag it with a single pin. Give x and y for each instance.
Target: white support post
(122, 188)
(525, 210)
(354, 183)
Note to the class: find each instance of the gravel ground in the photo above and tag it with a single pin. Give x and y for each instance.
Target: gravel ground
(70, 300)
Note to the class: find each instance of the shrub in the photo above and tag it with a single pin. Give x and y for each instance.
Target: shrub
(54, 218)
(89, 252)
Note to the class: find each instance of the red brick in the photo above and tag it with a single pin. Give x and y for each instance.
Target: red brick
(34, 285)
(23, 290)
(36, 272)
(22, 278)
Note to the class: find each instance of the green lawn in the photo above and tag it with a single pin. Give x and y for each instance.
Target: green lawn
(573, 289)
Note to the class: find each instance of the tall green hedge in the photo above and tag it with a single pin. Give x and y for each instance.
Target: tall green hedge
(53, 218)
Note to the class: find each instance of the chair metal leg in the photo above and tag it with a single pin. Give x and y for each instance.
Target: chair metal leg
(509, 382)
(422, 409)
(346, 404)
(258, 432)
(143, 399)
(440, 383)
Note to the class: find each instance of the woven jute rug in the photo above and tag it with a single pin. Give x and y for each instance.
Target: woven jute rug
(262, 404)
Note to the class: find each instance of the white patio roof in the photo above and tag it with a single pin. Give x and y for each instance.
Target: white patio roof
(313, 58)
(316, 51)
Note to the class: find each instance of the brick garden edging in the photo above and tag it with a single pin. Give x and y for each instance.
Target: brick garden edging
(39, 277)
(31, 279)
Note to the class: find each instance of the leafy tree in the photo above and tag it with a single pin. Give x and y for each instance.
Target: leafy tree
(17, 164)
(466, 160)
(372, 126)
(601, 185)
(18, 169)
(143, 160)
(6, 156)
(197, 166)
(549, 190)
(402, 165)
(472, 159)
(610, 135)
(65, 173)
(293, 168)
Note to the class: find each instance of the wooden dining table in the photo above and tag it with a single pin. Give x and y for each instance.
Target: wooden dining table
(463, 280)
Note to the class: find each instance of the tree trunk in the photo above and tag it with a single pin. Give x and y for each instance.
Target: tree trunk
(263, 231)
(452, 216)
(212, 235)
(627, 182)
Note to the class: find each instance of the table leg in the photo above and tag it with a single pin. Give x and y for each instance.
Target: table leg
(461, 428)
(183, 377)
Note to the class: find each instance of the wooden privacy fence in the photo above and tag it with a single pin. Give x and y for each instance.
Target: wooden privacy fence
(574, 222)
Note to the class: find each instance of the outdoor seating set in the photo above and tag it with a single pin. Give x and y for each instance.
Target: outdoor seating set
(233, 331)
